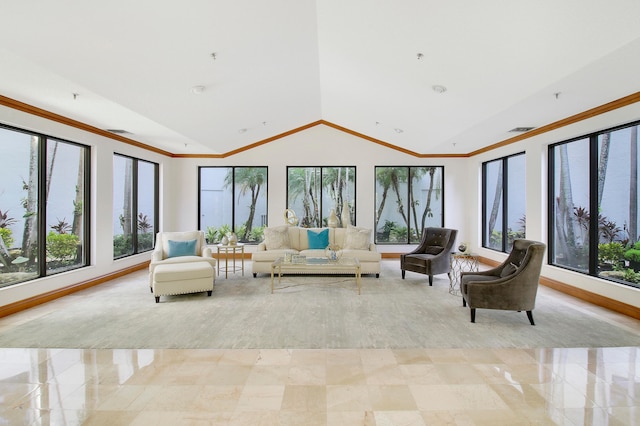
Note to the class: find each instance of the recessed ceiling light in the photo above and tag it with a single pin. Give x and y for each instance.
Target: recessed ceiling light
(398, 130)
(521, 129)
(197, 90)
(242, 130)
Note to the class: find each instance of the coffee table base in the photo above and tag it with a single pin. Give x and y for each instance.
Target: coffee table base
(351, 266)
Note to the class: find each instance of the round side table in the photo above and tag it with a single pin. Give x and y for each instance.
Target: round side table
(461, 262)
(230, 250)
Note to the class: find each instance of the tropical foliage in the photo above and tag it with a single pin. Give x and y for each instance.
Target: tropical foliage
(411, 196)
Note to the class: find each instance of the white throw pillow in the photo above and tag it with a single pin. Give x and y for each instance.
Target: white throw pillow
(277, 238)
(357, 238)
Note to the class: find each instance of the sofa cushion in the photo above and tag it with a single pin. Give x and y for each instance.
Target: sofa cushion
(318, 240)
(357, 238)
(362, 255)
(181, 248)
(270, 255)
(277, 238)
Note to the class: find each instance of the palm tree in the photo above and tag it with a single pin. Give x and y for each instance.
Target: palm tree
(250, 179)
(633, 185)
(391, 178)
(303, 182)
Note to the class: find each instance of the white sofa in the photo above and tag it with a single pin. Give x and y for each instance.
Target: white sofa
(353, 242)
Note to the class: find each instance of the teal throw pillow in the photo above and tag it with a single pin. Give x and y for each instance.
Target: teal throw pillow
(318, 240)
(182, 248)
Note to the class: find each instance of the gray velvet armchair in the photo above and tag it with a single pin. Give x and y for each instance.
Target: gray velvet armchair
(433, 254)
(511, 286)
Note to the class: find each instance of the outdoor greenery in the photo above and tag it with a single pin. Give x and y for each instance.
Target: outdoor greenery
(399, 195)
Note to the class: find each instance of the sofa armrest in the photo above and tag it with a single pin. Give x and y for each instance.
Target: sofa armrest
(372, 247)
(207, 252)
(156, 255)
(261, 247)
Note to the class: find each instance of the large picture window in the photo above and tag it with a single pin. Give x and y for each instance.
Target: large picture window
(596, 173)
(232, 199)
(43, 209)
(314, 192)
(135, 205)
(503, 202)
(407, 200)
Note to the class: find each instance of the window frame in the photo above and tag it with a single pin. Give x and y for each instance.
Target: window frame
(233, 196)
(320, 171)
(409, 169)
(134, 204)
(42, 202)
(505, 247)
(593, 226)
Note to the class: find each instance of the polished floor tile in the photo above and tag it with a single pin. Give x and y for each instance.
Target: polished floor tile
(566, 386)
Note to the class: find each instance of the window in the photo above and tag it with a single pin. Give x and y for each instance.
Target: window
(407, 200)
(596, 173)
(314, 192)
(503, 202)
(135, 205)
(232, 199)
(43, 210)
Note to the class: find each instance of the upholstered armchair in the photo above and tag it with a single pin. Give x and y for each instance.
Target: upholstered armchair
(433, 254)
(176, 242)
(511, 286)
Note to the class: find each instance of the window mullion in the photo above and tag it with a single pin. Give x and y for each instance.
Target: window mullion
(594, 208)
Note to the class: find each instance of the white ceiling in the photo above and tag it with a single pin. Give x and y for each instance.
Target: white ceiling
(282, 64)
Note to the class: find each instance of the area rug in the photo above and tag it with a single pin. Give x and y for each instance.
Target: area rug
(306, 312)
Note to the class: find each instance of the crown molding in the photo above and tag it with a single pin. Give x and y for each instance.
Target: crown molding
(39, 112)
(610, 106)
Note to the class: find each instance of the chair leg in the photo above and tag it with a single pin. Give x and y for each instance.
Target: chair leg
(530, 316)
(403, 271)
(157, 299)
(430, 280)
(473, 314)
(209, 293)
(464, 302)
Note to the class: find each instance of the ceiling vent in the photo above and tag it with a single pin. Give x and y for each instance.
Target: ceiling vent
(118, 131)
(521, 129)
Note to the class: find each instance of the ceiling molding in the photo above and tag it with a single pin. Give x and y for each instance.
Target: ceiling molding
(593, 112)
(33, 110)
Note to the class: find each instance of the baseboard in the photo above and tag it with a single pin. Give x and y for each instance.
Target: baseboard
(21, 305)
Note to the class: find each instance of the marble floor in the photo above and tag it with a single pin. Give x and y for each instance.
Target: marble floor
(595, 386)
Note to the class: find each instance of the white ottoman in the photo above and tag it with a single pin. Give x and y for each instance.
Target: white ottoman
(182, 278)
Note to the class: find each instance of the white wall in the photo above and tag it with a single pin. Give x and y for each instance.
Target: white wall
(318, 146)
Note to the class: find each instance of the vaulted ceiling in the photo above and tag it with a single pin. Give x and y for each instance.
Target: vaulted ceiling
(212, 76)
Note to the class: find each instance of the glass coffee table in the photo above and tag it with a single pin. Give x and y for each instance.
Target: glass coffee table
(315, 265)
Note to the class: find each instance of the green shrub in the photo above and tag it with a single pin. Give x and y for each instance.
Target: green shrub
(7, 236)
(122, 245)
(633, 253)
(610, 253)
(62, 246)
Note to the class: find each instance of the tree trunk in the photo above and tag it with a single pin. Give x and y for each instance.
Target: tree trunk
(602, 164)
(78, 204)
(50, 167)
(565, 206)
(633, 185)
(497, 199)
(396, 189)
(427, 208)
(127, 219)
(30, 234)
